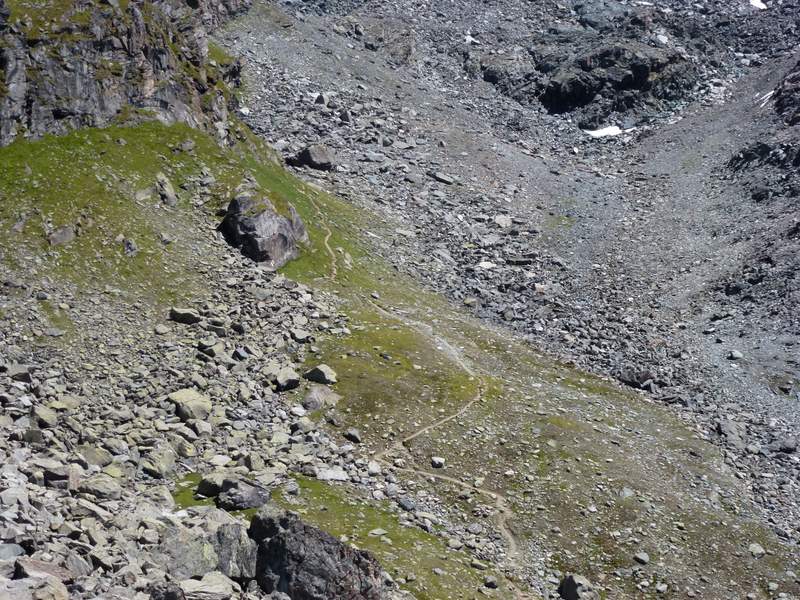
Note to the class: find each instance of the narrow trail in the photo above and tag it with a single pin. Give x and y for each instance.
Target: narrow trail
(502, 509)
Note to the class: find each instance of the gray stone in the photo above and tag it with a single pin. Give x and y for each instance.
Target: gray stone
(213, 586)
(190, 404)
(235, 550)
(321, 374)
(577, 587)
(187, 316)
(101, 486)
(286, 379)
(316, 156)
(237, 494)
(261, 233)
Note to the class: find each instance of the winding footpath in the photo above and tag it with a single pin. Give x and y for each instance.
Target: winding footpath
(502, 510)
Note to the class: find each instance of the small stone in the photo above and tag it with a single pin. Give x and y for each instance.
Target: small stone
(101, 486)
(757, 550)
(437, 462)
(45, 417)
(190, 404)
(642, 558)
(187, 316)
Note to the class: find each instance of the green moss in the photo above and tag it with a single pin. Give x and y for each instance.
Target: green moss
(50, 19)
(218, 54)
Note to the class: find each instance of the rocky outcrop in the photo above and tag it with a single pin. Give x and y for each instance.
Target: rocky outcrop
(89, 64)
(787, 97)
(614, 62)
(309, 564)
(254, 226)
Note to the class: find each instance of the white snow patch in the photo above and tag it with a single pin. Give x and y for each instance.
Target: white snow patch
(758, 4)
(765, 98)
(606, 131)
(485, 264)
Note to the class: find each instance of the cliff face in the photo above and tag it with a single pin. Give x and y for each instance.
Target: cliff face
(70, 64)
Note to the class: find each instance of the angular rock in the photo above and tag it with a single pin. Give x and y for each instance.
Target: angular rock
(237, 494)
(577, 587)
(213, 586)
(321, 374)
(286, 379)
(236, 551)
(263, 235)
(187, 316)
(190, 404)
(305, 562)
(316, 156)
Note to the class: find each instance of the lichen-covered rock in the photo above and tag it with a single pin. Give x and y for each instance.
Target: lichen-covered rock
(255, 227)
(308, 564)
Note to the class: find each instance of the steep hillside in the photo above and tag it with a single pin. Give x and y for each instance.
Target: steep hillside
(373, 300)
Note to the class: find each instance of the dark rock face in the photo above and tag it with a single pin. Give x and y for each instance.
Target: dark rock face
(787, 97)
(612, 64)
(309, 564)
(255, 227)
(91, 61)
(236, 552)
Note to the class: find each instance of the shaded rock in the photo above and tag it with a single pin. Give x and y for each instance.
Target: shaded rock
(577, 587)
(211, 485)
(316, 156)
(256, 228)
(190, 404)
(321, 374)
(307, 563)
(166, 591)
(213, 586)
(286, 379)
(237, 494)
(236, 551)
(187, 316)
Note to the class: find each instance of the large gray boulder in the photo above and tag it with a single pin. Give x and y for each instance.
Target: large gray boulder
(316, 156)
(255, 227)
(308, 564)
